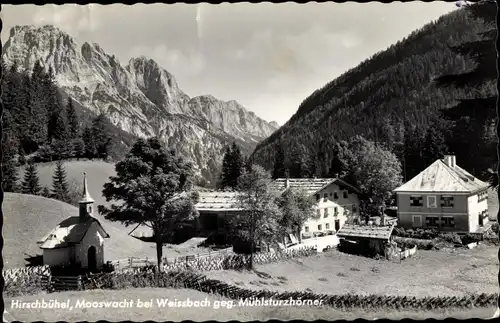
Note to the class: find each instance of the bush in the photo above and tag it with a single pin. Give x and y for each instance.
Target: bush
(419, 233)
(451, 237)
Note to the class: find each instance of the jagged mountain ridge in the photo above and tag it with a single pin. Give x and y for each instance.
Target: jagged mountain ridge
(141, 97)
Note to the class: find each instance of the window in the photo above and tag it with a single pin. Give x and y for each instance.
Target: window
(448, 221)
(446, 201)
(354, 208)
(90, 209)
(345, 194)
(482, 216)
(335, 211)
(319, 227)
(482, 196)
(327, 226)
(416, 201)
(417, 221)
(431, 221)
(318, 197)
(325, 196)
(335, 195)
(325, 213)
(318, 212)
(431, 202)
(331, 194)
(306, 229)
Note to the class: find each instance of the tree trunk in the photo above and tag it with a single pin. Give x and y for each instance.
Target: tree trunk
(252, 238)
(299, 236)
(159, 251)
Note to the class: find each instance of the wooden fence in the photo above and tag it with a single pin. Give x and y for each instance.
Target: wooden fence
(61, 283)
(132, 262)
(15, 274)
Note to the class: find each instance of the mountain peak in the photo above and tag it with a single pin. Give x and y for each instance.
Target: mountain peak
(141, 98)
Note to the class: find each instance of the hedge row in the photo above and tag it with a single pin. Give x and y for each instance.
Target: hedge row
(148, 277)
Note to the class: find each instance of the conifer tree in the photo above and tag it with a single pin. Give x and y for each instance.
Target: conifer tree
(45, 192)
(101, 136)
(60, 188)
(73, 122)
(31, 182)
(279, 168)
(232, 167)
(9, 164)
(90, 145)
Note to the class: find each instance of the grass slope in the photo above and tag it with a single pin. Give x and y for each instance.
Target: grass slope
(98, 173)
(28, 218)
(236, 313)
(428, 273)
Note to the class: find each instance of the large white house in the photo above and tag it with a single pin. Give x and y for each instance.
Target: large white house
(336, 201)
(444, 196)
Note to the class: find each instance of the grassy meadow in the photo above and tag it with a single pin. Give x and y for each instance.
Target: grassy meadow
(455, 272)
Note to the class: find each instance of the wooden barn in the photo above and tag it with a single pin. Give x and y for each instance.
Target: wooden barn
(368, 240)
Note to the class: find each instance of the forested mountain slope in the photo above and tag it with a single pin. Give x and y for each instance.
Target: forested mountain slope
(391, 99)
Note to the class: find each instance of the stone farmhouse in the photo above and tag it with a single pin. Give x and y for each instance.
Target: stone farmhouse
(444, 196)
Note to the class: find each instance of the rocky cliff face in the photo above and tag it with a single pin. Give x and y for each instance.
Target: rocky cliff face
(141, 98)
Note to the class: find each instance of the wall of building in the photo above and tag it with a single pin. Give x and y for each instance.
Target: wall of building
(459, 212)
(93, 237)
(477, 208)
(332, 198)
(60, 256)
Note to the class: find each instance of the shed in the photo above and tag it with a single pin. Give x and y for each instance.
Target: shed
(77, 241)
(365, 239)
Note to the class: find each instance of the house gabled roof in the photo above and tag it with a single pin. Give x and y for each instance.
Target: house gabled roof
(69, 232)
(218, 201)
(310, 185)
(439, 177)
(365, 231)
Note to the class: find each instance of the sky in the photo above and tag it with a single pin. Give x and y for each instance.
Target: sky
(268, 57)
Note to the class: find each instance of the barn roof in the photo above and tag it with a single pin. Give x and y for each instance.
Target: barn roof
(218, 201)
(439, 177)
(365, 231)
(69, 232)
(310, 185)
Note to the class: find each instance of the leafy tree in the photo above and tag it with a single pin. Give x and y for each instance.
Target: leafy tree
(296, 208)
(375, 170)
(259, 222)
(151, 185)
(60, 188)
(31, 182)
(279, 169)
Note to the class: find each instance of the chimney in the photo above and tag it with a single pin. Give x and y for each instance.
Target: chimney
(450, 160)
(86, 203)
